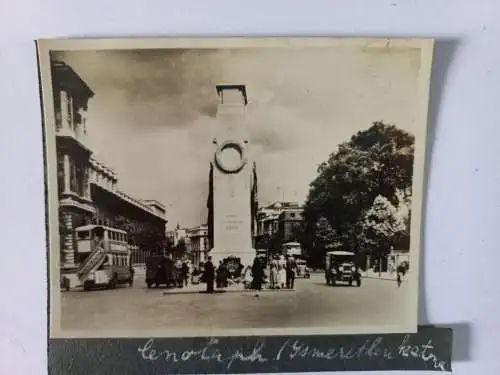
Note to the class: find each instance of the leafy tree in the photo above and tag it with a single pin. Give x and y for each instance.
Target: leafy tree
(402, 238)
(124, 223)
(377, 161)
(180, 249)
(146, 237)
(324, 237)
(381, 225)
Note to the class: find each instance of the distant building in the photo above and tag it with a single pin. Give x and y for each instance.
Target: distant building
(115, 208)
(88, 189)
(290, 219)
(277, 223)
(267, 219)
(176, 235)
(198, 244)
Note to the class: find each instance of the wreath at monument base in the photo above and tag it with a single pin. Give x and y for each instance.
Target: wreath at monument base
(233, 266)
(238, 146)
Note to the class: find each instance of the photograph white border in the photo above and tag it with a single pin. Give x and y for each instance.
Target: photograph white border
(44, 47)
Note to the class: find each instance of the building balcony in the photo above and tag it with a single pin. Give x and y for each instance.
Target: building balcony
(73, 200)
(73, 139)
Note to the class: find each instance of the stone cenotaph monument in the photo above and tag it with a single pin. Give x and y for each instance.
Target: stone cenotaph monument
(232, 179)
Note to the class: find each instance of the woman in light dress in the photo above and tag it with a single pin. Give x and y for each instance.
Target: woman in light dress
(273, 276)
(247, 277)
(281, 276)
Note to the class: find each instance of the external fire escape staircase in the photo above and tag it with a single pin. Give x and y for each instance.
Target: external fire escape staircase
(93, 261)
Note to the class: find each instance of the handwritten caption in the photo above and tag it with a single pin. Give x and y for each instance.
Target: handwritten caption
(294, 349)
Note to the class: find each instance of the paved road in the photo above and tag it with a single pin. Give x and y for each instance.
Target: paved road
(311, 304)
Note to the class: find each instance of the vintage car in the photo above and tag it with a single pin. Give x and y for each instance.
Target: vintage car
(342, 268)
(302, 269)
(160, 271)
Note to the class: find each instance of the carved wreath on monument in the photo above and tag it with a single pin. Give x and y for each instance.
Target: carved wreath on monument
(228, 145)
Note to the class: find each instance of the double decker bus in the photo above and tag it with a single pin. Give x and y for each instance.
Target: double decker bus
(106, 256)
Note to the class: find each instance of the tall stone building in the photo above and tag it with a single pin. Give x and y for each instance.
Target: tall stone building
(87, 189)
(71, 95)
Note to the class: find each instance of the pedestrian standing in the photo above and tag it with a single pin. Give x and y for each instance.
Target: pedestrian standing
(209, 275)
(179, 279)
(400, 271)
(282, 276)
(247, 275)
(185, 273)
(290, 273)
(258, 275)
(273, 275)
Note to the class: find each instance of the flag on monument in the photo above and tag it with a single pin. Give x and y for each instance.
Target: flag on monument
(254, 198)
(210, 206)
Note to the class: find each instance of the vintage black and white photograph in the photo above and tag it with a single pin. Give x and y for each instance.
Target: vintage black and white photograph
(234, 186)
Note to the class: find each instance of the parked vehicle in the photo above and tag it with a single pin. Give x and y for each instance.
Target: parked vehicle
(341, 267)
(160, 271)
(302, 269)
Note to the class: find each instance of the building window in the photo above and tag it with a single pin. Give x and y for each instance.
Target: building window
(57, 110)
(78, 177)
(69, 104)
(60, 172)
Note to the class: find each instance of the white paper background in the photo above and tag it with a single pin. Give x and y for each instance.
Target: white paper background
(461, 253)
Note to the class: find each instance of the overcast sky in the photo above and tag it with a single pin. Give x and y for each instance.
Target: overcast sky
(153, 114)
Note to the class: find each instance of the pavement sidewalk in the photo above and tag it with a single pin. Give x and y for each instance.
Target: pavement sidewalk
(370, 274)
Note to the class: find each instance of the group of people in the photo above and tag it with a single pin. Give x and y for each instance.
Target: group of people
(182, 271)
(282, 274)
(219, 276)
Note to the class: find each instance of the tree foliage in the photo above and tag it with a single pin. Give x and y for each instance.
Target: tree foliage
(144, 236)
(180, 249)
(377, 161)
(381, 223)
(324, 235)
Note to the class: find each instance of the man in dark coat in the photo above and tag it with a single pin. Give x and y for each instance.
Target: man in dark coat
(258, 275)
(209, 275)
(185, 273)
(291, 269)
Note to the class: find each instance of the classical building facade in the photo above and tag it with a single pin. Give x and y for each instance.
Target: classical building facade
(290, 219)
(87, 188)
(71, 95)
(198, 244)
(277, 223)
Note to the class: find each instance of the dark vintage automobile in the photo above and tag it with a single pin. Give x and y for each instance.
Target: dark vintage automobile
(302, 269)
(160, 271)
(342, 268)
